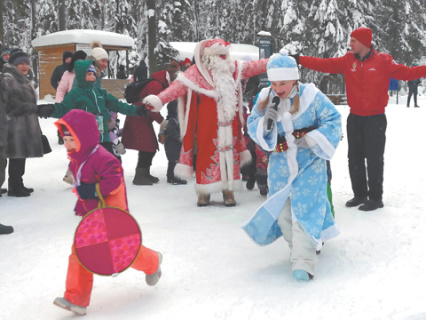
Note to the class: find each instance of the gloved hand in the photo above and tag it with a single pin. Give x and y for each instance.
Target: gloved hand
(163, 125)
(296, 57)
(301, 143)
(45, 110)
(142, 111)
(271, 114)
(87, 191)
(120, 148)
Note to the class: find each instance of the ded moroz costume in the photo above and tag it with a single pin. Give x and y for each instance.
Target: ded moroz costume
(211, 120)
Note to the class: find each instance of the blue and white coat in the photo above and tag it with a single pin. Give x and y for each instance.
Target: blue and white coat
(298, 173)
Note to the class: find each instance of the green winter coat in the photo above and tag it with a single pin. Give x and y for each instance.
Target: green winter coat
(87, 96)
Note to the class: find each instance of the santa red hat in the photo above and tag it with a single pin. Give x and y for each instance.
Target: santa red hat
(363, 35)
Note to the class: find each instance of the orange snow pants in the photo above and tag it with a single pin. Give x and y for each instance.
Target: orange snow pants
(80, 281)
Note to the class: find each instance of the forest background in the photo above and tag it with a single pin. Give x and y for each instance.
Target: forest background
(310, 27)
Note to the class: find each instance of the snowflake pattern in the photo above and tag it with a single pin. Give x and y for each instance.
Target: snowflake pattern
(308, 192)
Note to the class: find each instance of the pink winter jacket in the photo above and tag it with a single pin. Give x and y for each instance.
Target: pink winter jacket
(65, 85)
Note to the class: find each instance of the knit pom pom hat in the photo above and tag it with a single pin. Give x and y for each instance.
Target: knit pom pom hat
(98, 52)
(281, 67)
(363, 35)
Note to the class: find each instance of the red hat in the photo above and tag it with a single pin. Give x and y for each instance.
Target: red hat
(363, 35)
(186, 61)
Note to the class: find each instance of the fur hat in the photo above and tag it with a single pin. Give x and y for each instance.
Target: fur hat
(19, 57)
(281, 67)
(98, 52)
(363, 35)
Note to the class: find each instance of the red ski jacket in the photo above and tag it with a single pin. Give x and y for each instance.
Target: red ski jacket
(367, 81)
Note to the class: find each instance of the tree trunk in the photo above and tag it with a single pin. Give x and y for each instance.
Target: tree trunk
(152, 40)
(2, 9)
(61, 15)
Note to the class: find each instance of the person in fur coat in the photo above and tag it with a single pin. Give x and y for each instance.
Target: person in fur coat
(23, 128)
(92, 164)
(211, 119)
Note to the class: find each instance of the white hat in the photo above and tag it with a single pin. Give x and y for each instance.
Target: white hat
(99, 53)
(281, 67)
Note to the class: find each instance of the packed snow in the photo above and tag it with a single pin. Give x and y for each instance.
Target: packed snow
(211, 268)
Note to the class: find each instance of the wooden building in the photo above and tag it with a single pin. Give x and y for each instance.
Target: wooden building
(51, 47)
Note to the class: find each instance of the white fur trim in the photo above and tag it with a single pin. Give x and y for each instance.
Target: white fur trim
(282, 74)
(191, 85)
(217, 187)
(183, 171)
(154, 101)
(245, 158)
(198, 53)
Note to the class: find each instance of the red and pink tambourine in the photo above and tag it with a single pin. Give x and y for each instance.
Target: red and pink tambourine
(107, 240)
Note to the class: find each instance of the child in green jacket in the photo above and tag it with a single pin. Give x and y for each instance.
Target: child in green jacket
(87, 96)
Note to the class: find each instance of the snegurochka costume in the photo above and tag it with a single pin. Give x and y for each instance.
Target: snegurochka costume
(297, 174)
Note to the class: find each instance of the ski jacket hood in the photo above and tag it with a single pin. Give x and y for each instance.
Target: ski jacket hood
(84, 129)
(80, 68)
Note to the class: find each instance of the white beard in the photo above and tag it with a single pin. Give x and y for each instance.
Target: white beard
(225, 85)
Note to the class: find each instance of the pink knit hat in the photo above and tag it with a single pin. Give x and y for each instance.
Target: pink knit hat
(363, 35)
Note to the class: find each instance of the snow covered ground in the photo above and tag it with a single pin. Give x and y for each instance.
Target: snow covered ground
(211, 269)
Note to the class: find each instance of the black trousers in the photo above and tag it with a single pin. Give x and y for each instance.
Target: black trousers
(145, 159)
(16, 171)
(412, 92)
(366, 144)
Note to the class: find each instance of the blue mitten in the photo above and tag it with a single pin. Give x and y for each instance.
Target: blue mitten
(87, 191)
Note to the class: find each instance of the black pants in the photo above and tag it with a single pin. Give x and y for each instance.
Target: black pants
(145, 159)
(16, 171)
(412, 92)
(366, 141)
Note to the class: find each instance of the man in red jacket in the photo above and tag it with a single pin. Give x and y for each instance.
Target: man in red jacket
(367, 76)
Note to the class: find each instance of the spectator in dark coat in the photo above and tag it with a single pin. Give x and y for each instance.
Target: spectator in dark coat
(141, 72)
(23, 129)
(121, 74)
(59, 70)
(412, 91)
(5, 55)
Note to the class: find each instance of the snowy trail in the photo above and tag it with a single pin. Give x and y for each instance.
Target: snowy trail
(211, 269)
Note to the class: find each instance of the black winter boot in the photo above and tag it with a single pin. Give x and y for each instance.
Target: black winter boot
(150, 177)
(5, 229)
(141, 178)
(356, 201)
(18, 192)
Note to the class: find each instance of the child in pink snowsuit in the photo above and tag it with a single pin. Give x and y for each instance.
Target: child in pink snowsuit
(91, 164)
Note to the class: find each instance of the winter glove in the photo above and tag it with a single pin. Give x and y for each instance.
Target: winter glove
(301, 143)
(142, 111)
(45, 110)
(295, 57)
(163, 125)
(87, 190)
(271, 114)
(120, 148)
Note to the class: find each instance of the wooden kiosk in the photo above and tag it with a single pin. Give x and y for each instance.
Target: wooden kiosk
(51, 47)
